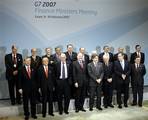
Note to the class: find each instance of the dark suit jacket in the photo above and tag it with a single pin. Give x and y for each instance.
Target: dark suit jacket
(69, 73)
(116, 57)
(55, 58)
(80, 75)
(27, 84)
(137, 75)
(46, 83)
(36, 63)
(50, 59)
(111, 59)
(69, 59)
(108, 71)
(94, 73)
(119, 71)
(134, 55)
(86, 58)
(10, 65)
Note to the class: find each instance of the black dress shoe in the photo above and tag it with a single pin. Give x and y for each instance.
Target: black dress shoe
(125, 105)
(90, 109)
(51, 114)
(99, 108)
(66, 112)
(134, 104)
(34, 116)
(13, 103)
(44, 115)
(77, 110)
(26, 118)
(60, 113)
(140, 105)
(120, 106)
(105, 106)
(111, 106)
(83, 110)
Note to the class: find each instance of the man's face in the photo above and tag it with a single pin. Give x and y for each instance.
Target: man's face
(96, 59)
(106, 49)
(14, 50)
(137, 60)
(120, 50)
(58, 51)
(48, 51)
(80, 56)
(63, 57)
(70, 48)
(33, 52)
(120, 57)
(82, 50)
(27, 61)
(138, 49)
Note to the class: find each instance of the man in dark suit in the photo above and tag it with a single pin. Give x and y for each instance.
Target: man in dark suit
(85, 56)
(27, 86)
(107, 82)
(45, 74)
(138, 53)
(57, 55)
(70, 58)
(107, 53)
(80, 82)
(35, 63)
(120, 50)
(96, 72)
(137, 81)
(49, 56)
(64, 74)
(122, 71)
(13, 62)
(70, 55)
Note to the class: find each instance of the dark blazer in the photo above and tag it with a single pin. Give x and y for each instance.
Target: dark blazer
(79, 74)
(108, 71)
(10, 65)
(55, 58)
(36, 63)
(46, 83)
(26, 83)
(86, 58)
(95, 73)
(71, 59)
(134, 55)
(111, 58)
(119, 71)
(116, 57)
(69, 73)
(137, 75)
(50, 59)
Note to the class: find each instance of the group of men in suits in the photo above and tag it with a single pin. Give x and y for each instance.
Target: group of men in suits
(73, 75)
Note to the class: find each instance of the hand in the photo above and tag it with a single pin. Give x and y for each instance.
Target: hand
(51, 62)
(39, 90)
(20, 91)
(123, 76)
(76, 85)
(15, 72)
(98, 81)
(109, 80)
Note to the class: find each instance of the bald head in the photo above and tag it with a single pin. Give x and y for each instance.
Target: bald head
(63, 57)
(45, 61)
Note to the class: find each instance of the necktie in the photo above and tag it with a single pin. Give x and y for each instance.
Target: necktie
(81, 64)
(46, 71)
(122, 64)
(14, 59)
(63, 71)
(28, 71)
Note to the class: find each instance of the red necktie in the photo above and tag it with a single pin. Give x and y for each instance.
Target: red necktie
(14, 59)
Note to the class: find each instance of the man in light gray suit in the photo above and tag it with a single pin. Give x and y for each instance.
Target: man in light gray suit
(96, 72)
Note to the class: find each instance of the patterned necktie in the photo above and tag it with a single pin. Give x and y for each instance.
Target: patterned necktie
(63, 71)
